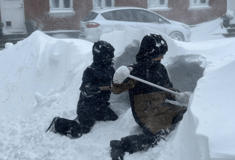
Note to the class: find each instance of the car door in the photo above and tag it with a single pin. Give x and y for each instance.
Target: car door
(150, 20)
(122, 18)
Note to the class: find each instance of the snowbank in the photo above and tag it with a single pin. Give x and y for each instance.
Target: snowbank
(40, 69)
(40, 78)
(208, 31)
(207, 128)
(199, 136)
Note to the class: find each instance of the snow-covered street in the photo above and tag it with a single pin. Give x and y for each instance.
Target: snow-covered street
(40, 79)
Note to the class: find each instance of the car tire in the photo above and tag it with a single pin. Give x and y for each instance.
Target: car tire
(177, 36)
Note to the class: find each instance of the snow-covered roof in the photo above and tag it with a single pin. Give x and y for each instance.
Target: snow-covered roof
(115, 8)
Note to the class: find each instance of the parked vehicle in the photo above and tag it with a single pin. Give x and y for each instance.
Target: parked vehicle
(98, 22)
(228, 17)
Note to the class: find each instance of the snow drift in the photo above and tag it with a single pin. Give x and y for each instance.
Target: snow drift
(40, 78)
(198, 136)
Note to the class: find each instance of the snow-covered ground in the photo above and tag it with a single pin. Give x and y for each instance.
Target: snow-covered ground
(208, 31)
(40, 79)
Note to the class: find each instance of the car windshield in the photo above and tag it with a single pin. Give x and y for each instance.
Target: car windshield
(90, 16)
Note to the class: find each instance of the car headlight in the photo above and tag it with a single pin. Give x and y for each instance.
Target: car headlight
(185, 26)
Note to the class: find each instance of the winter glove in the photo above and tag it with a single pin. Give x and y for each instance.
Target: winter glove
(121, 74)
(183, 97)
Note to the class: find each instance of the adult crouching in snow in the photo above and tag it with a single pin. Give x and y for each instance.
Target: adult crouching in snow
(95, 92)
(155, 116)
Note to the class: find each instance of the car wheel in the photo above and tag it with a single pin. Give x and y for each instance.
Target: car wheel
(177, 36)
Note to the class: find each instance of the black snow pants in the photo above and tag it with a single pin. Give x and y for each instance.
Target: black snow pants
(142, 142)
(87, 116)
(137, 143)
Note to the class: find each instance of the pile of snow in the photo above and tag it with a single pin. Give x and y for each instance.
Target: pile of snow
(230, 14)
(40, 79)
(208, 31)
(207, 129)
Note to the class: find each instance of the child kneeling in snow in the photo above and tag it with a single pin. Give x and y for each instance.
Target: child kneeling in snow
(155, 116)
(93, 103)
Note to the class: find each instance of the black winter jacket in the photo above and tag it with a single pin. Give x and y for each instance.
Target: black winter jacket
(148, 104)
(95, 76)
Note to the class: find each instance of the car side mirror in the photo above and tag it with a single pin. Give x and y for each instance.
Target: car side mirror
(160, 20)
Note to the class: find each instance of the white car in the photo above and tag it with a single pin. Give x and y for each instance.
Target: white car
(98, 22)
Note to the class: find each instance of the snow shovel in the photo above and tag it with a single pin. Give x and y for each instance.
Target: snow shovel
(123, 72)
(154, 85)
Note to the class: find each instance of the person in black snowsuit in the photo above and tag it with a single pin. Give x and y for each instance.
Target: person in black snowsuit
(95, 92)
(156, 117)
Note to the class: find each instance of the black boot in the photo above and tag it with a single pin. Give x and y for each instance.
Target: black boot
(69, 128)
(117, 151)
(52, 125)
(75, 130)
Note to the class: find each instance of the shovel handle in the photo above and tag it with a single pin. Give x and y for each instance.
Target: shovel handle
(154, 85)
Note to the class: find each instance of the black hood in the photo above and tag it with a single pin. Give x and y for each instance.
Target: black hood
(103, 53)
(152, 46)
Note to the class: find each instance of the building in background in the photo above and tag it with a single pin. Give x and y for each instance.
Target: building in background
(24, 16)
(228, 18)
(20, 16)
